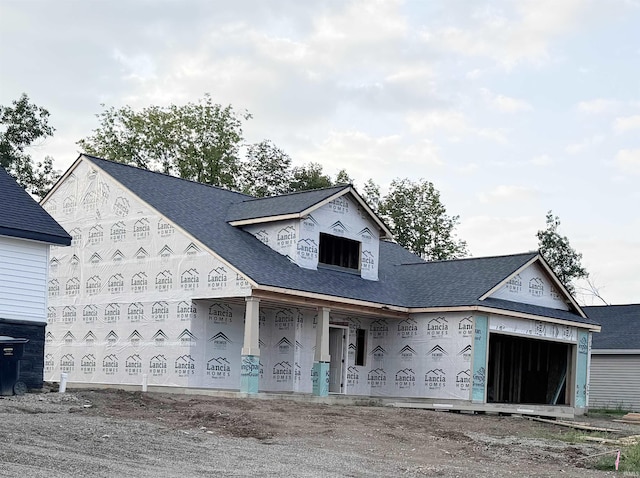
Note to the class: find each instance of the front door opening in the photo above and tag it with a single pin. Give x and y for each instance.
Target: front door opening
(337, 349)
(523, 370)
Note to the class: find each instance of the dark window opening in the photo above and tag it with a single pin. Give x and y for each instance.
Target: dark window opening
(523, 370)
(338, 251)
(361, 347)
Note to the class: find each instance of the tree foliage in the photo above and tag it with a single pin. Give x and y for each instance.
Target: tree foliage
(21, 126)
(309, 176)
(198, 141)
(266, 170)
(562, 258)
(419, 220)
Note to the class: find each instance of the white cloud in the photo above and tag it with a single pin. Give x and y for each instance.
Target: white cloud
(505, 193)
(504, 104)
(628, 161)
(598, 106)
(493, 235)
(584, 145)
(542, 160)
(627, 123)
(454, 123)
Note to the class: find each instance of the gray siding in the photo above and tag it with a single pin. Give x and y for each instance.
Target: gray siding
(615, 381)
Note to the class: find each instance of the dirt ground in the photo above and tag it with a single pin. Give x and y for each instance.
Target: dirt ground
(116, 433)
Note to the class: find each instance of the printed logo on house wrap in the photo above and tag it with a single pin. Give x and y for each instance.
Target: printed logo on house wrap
(220, 313)
(49, 363)
(286, 237)
(539, 328)
(164, 228)
(217, 278)
(72, 287)
(353, 376)
(110, 364)
(435, 379)
(378, 353)
(69, 314)
(338, 229)
(536, 287)
(309, 223)
(135, 338)
(186, 338)
(68, 338)
(54, 263)
(51, 207)
(121, 206)
(112, 313)
(340, 205)
(115, 284)
(583, 345)
(117, 257)
(438, 327)
(307, 249)
(159, 338)
(465, 327)
(88, 364)
(407, 353)
(368, 262)
(95, 259)
(135, 312)
(141, 255)
(164, 281)
(111, 338)
(139, 283)
(69, 205)
(192, 250)
(377, 378)
(553, 292)
(184, 366)
(158, 365)
(90, 313)
(242, 282)
(133, 365)
(89, 339)
(218, 368)
(284, 346)
(351, 351)
(76, 237)
(463, 380)
(366, 235)
(479, 378)
(52, 315)
(515, 284)
(141, 229)
(96, 235)
(159, 311)
(186, 310)
(407, 328)
(284, 319)
(220, 341)
(249, 368)
(54, 288)
(405, 378)
(189, 279)
(282, 372)
(90, 201)
(118, 232)
(263, 236)
(465, 353)
(437, 353)
(165, 254)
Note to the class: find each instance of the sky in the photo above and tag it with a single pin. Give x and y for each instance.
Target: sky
(511, 108)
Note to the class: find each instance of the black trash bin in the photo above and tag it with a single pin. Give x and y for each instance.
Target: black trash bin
(11, 350)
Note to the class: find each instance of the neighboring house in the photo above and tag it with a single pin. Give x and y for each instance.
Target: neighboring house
(200, 287)
(26, 232)
(615, 359)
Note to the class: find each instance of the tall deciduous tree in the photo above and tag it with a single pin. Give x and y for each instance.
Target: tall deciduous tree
(198, 141)
(266, 170)
(21, 125)
(563, 259)
(419, 220)
(309, 176)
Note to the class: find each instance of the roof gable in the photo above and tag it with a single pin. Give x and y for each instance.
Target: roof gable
(22, 217)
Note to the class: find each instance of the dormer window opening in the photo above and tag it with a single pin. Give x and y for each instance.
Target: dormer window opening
(339, 252)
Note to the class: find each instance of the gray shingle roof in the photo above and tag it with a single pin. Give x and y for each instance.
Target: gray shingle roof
(405, 280)
(21, 216)
(252, 208)
(620, 326)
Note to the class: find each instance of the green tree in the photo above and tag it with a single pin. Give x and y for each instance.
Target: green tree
(343, 178)
(371, 194)
(562, 258)
(266, 170)
(419, 220)
(21, 125)
(309, 176)
(197, 141)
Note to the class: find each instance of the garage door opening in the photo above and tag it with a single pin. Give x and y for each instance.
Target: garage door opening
(530, 371)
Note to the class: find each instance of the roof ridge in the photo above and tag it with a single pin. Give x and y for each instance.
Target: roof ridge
(253, 198)
(92, 157)
(460, 259)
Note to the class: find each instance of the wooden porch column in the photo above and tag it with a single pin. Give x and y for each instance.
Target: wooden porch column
(322, 358)
(250, 373)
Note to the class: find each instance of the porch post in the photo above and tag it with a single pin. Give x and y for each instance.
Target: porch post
(322, 358)
(250, 373)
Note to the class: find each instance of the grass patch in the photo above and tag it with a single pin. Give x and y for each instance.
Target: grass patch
(618, 411)
(629, 460)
